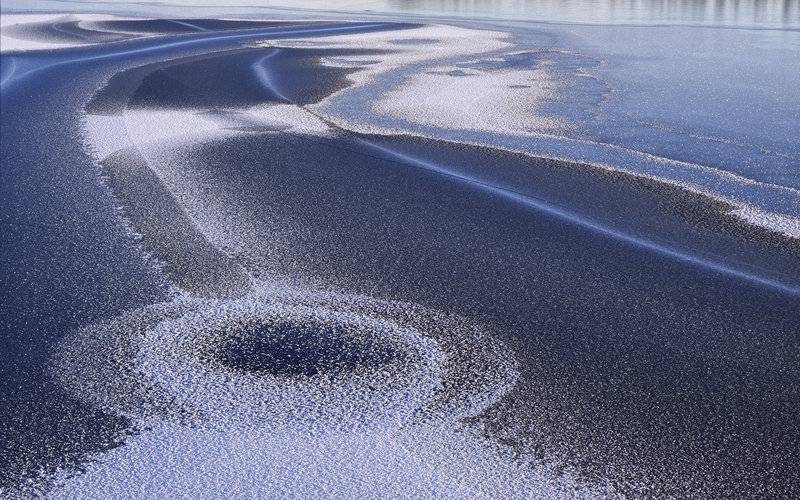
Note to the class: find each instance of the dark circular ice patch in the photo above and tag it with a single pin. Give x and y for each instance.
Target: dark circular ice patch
(302, 348)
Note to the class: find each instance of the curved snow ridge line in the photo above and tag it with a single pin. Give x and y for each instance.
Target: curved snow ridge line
(188, 25)
(784, 224)
(580, 220)
(198, 41)
(57, 27)
(223, 276)
(261, 72)
(738, 178)
(12, 68)
(125, 169)
(13, 44)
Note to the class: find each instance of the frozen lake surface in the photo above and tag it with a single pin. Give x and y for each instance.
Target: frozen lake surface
(432, 249)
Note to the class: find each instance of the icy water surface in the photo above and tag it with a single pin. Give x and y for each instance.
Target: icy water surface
(756, 13)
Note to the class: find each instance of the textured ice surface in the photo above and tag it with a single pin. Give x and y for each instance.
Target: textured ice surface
(153, 134)
(470, 86)
(433, 43)
(182, 461)
(477, 87)
(225, 405)
(357, 426)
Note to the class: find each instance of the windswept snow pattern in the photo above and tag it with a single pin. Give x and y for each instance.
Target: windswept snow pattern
(296, 393)
(378, 259)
